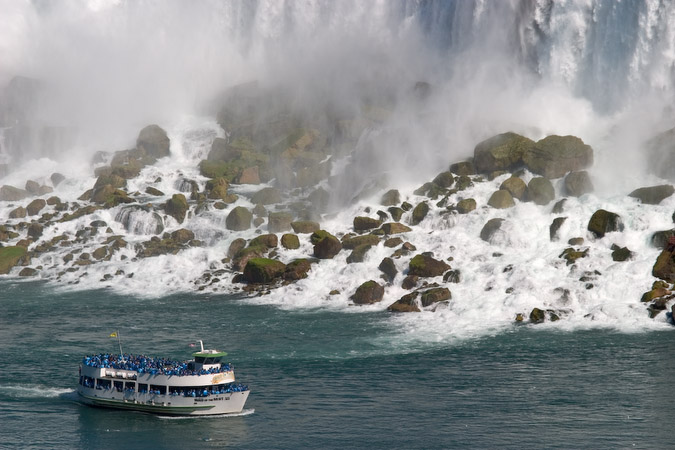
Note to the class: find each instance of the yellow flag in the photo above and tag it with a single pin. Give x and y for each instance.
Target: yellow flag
(113, 334)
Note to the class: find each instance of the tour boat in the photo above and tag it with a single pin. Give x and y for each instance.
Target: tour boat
(202, 386)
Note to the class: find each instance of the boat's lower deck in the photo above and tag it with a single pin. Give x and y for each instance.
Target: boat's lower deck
(225, 403)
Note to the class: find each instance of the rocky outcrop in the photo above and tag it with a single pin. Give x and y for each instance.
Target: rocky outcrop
(407, 303)
(578, 184)
(368, 293)
(554, 156)
(653, 195)
(502, 152)
(425, 266)
(603, 222)
(540, 191)
(153, 141)
(263, 270)
(239, 219)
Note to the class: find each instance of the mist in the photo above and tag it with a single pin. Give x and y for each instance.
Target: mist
(105, 69)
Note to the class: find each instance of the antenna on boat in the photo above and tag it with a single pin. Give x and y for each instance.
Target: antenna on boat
(201, 344)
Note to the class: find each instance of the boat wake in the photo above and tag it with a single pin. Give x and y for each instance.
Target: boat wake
(19, 391)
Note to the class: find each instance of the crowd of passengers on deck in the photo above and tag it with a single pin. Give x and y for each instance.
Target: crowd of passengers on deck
(195, 392)
(146, 364)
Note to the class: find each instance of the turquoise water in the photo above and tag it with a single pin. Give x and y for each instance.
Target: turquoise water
(330, 379)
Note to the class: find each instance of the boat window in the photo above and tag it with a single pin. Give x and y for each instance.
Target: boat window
(119, 386)
(199, 359)
(130, 386)
(143, 388)
(157, 389)
(102, 384)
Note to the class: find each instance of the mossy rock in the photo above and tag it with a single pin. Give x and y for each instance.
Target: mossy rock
(555, 228)
(368, 293)
(100, 253)
(657, 292)
(359, 253)
(326, 246)
(182, 236)
(425, 266)
(279, 221)
(405, 206)
(80, 212)
(435, 295)
(362, 223)
(444, 180)
(113, 180)
(391, 198)
(216, 189)
(501, 199)
(153, 191)
(463, 168)
(516, 187)
(18, 213)
(621, 254)
(236, 246)
(35, 230)
(554, 156)
(407, 303)
(419, 213)
(664, 268)
(263, 270)
(452, 276)
(491, 227)
(305, 226)
(177, 207)
(297, 269)
(266, 240)
(35, 206)
(395, 228)
(603, 222)
(540, 190)
(10, 257)
(578, 184)
(110, 197)
(28, 272)
(290, 241)
(396, 213)
(537, 315)
(502, 152)
(154, 141)
(353, 242)
(239, 219)
(571, 255)
(393, 242)
(465, 206)
(267, 196)
(244, 255)
(388, 268)
(653, 195)
(463, 183)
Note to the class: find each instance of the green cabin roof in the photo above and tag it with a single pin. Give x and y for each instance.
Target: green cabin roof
(209, 355)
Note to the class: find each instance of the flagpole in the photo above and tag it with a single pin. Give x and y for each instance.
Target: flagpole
(119, 341)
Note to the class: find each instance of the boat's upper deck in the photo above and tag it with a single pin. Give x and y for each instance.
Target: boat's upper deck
(158, 366)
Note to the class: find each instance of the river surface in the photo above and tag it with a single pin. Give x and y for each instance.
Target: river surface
(330, 379)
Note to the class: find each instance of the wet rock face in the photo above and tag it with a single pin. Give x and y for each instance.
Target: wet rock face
(419, 213)
(10, 257)
(263, 270)
(426, 266)
(490, 228)
(664, 268)
(12, 194)
(540, 191)
(435, 295)
(326, 246)
(239, 219)
(516, 187)
(362, 223)
(501, 199)
(502, 152)
(177, 207)
(279, 221)
(368, 293)
(407, 303)
(554, 156)
(603, 222)
(154, 141)
(391, 198)
(659, 151)
(578, 184)
(653, 195)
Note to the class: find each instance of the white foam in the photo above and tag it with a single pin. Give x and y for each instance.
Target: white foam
(32, 391)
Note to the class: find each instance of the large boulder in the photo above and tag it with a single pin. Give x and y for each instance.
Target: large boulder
(113, 180)
(540, 190)
(35, 206)
(578, 184)
(367, 239)
(653, 195)
(297, 269)
(358, 254)
(407, 303)
(266, 196)
(395, 228)
(554, 156)
(664, 268)
(216, 189)
(419, 213)
(109, 196)
(154, 142)
(502, 152)
(391, 198)
(435, 295)
(305, 226)
(17, 213)
(516, 187)
(491, 227)
(182, 236)
(10, 257)
(464, 168)
(501, 199)
(279, 221)
(12, 194)
(425, 266)
(465, 206)
(176, 207)
(603, 222)
(368, 293)
(659, 151)
(263, 270)
(239, 219)
(444, 180)
(388, 268)
(290, 241)
(326, 246)
(362, 223)
(555, 227)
